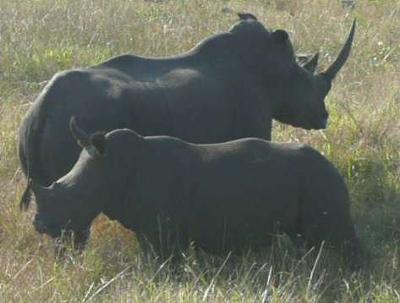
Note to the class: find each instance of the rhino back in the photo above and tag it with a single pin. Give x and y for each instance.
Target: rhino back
(245, 187)
(184, 103)
(74, 93)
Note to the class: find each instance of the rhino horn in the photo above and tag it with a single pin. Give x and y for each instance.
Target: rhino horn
(83, 139)
(311, 65)
(331, 72)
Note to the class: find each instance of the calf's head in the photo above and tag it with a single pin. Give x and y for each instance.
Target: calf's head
(295, 91)
(69, 205)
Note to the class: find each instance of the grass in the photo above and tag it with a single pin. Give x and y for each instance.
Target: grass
(41, 37)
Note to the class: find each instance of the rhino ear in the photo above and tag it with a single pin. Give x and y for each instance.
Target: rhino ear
(280, 36)
(98, 141)
(81, 138)
(94, 144)
(246, 16)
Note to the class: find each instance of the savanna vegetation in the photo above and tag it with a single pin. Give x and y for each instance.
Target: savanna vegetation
(41, 37)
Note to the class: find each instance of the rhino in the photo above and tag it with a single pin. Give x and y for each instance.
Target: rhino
(229, 86)
(223, 197)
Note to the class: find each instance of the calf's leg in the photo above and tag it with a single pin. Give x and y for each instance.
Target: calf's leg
(168, 241)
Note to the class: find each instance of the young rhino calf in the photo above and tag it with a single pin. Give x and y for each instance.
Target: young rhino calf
(223, 197)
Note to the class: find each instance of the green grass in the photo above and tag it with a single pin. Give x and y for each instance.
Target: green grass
(41, 37)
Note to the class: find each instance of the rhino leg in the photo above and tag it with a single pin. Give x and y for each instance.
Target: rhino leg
(337, 230)
(167, 242)
(76, 240)
(325, 208)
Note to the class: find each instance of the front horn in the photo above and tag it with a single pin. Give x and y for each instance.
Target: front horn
(331, 72)
(83, 139)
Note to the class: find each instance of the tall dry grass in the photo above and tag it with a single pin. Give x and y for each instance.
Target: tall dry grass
(41, 37)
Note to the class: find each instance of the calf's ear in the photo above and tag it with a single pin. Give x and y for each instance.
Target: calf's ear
(80, 136)
(98, 141)
(95, 144)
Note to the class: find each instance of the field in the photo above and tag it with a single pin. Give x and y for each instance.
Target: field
(40, 37)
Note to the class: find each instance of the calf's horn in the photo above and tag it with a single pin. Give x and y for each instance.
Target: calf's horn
(331, 72)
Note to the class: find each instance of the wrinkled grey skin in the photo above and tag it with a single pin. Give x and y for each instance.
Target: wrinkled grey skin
(229, 86)
(223, 197)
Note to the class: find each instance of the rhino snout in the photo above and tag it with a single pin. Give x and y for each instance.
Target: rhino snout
(44, 227)
(40, 226)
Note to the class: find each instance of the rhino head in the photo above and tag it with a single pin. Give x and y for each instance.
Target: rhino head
(68, 206)
(295, 91)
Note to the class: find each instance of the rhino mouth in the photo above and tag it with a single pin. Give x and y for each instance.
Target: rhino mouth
(316, 122)
(322, 124)
(63, 237)
(49, 229)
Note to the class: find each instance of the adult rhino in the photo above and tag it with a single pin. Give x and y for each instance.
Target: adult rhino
(222, 197)
(229, 86)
